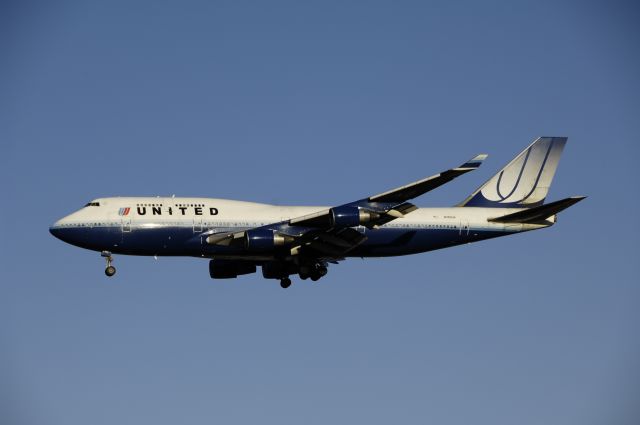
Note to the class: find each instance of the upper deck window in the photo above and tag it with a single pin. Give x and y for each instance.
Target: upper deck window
(93, 204)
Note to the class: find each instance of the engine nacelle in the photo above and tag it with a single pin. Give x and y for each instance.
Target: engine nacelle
(351, 216)
(229, 269)
(260, 240)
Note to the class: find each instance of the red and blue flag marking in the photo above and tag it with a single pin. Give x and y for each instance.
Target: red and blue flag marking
(124, 211)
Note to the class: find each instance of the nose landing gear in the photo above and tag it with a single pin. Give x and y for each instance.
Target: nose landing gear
(110, 270)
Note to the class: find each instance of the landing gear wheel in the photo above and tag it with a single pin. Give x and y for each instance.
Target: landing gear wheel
(110, 270)
(304, 274)
(285, 282)
(318, 271)
(322, 271)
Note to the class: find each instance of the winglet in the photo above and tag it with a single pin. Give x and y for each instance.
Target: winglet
(474, 162)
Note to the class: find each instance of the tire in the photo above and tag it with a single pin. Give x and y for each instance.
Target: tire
(285, 283)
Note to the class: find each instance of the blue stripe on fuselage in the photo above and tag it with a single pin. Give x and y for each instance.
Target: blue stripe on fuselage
(181, 240)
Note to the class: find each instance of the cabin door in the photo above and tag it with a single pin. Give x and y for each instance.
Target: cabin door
(197, 224)
(464, 227)
(125, 219)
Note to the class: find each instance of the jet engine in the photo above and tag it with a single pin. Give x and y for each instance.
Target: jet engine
(351, 216)
(260, 240)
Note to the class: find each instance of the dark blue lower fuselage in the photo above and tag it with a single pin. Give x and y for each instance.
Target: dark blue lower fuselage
(183, 241)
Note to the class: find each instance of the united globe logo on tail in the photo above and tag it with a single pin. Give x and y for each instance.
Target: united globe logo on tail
(525, 181)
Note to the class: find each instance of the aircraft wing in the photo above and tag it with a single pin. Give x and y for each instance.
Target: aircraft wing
(329, 233)
(415, 189)
(379, 209)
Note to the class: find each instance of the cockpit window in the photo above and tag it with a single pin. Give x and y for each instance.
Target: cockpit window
(93, 204)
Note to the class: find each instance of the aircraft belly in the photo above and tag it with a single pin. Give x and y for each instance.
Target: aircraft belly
(171, 241)
(168, 240)
(181, 240)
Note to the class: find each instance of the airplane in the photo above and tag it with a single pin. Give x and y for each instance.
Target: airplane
(237, 237)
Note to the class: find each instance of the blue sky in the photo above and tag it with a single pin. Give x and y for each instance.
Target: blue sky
(318, 103)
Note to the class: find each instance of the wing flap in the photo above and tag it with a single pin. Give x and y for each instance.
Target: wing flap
(224, 239)
(397, 212)
(319, 219)
(337, 242)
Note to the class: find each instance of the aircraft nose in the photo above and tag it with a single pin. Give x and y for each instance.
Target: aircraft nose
(56, 230)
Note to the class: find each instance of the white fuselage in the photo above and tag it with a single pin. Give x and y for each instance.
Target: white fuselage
(179, 226)
(238, 236)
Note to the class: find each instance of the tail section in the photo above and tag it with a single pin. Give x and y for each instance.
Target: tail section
(525, 181)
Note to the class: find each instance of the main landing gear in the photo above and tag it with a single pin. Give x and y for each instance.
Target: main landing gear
(110, 270)
(313, 272)
(310, 271)
(285, 282)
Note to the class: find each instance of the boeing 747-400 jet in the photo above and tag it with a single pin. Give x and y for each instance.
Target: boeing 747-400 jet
(238, 237)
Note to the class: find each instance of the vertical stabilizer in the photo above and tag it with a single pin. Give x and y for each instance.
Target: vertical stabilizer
(525, 181)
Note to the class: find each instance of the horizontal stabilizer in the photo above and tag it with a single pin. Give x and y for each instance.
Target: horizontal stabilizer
(538, 214)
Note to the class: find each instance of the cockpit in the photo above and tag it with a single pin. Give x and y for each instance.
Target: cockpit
(92, 204)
